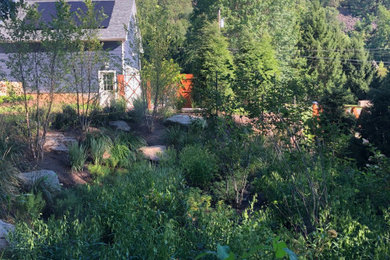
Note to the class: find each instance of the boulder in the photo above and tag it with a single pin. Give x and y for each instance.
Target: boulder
(5, 229)
(153, 153)
(184, 120)
(120, 125)
(50, 179)
(58, 142)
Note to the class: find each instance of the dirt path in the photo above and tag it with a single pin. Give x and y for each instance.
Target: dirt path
(154, 138)
(59, 161)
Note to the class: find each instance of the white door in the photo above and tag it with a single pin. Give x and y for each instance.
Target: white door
(108, 87)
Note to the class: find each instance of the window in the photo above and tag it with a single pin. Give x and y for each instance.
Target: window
(108, 80)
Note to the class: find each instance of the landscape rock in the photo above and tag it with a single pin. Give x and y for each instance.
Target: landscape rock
(50, 181)
(153, 153)
(5, 229)
(58, 142)
(184, 120)
(120, 125)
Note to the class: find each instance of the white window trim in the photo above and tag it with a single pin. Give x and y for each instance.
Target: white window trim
(101, 83)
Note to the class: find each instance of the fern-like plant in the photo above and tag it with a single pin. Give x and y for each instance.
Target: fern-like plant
(77, 156)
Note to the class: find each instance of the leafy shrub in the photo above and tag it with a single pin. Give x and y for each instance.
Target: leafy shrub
(77, 156)
(99, 170)
(67, 119)
(180, 103)
(13, 99)
(29, 206)
(139, 110)
(117, 110)
(176, 136)
(199, 165)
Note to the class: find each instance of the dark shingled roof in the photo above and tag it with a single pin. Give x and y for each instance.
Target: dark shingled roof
(113, 28)
(48, 10)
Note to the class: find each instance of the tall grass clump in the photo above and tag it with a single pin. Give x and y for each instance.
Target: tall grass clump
(8, 185)
(98, 146)
(77, 156)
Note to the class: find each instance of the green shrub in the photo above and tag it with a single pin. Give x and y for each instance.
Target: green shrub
(8, 185)
(139, 110)
(99, 170)
(117, 110)
(180, 102)
(67, 119)
(77, 156)
(13, 99)
(199, 165)
(98, 146)
(29, 206)
(130, 140)
(121, 156)
(176, 136)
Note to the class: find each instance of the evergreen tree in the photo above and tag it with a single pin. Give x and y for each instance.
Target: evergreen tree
(320, 44)
(358, 69)
(256, 66)
(213, 69)
(381, 36)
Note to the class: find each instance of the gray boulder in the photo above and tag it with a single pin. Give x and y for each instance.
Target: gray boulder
(58, 142)
(50, 179)
(153, 153)
(120, 125)
(5, 229)
(184, 120)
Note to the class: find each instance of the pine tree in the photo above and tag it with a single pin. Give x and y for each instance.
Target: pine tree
(381, 37)
(320, 44)
(213, 68)
(256, 66)
(358, 69)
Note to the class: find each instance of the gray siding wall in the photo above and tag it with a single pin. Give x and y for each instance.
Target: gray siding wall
(66, 82)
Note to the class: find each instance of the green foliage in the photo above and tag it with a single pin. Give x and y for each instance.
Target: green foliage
(360, 74)
(29, 206)
(213, 69)
(133, 142)
(176, 136)
(256, 66)
(381, 35)
(13, 99)
(8, 185)
(65, 120)
(99, 170)
(199, 165)
(99, 146)
(77, 156)
(323, 67)
(121, 156)
(138, 112)
(116, 111)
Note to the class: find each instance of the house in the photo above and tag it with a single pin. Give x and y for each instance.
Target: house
(120, 75)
